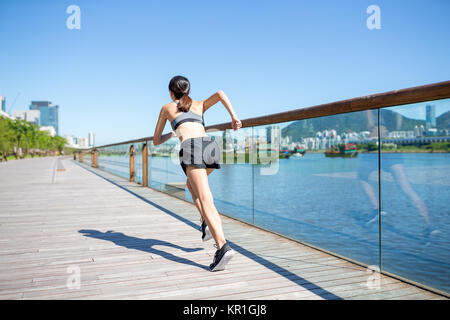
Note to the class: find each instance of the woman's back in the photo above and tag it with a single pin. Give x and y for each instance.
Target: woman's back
(186, 129)
(198, 155)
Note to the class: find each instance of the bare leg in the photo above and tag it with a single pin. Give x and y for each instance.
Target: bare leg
(199, 182)
(195, 198)
(370, 193)
(402, 180)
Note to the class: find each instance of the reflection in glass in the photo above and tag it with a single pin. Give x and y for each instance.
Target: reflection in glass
(325, 191)
(138, 161)
(165, 173)
(232, 184)
(87, 158)
(415, 184)
(115, 159)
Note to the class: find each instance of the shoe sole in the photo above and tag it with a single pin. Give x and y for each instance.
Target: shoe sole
(208, 235)
(225, 259)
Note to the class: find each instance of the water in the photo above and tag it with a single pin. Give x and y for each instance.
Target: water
(322, 201)
(332, 203)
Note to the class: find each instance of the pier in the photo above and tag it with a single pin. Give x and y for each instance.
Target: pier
(71, 231)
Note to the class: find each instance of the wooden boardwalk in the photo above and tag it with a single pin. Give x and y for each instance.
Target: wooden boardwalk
(129, 242)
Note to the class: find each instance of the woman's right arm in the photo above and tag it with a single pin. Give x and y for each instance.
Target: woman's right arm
(157, 138)
(222, 97)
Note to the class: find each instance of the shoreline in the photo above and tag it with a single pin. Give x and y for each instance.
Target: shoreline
(390, 151)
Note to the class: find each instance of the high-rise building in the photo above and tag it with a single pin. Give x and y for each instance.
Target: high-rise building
(51, 131)
(49, 113)
(269, 134)
(417, 132)
(83, 142)
(430, 116)
(33, 116)
(91, 139)
(3, 103)
(70, 140)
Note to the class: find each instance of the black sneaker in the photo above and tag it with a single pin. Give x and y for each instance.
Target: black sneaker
(206, 233)
(221, 258)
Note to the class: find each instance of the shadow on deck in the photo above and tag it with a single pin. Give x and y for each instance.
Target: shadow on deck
(142, 244)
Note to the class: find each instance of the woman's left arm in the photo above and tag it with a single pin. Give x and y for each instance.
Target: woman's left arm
(157, 138)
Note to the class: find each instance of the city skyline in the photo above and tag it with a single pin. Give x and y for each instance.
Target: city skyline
(87, 142)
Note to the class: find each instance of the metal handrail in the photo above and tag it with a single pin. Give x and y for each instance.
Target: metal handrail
(434, 91)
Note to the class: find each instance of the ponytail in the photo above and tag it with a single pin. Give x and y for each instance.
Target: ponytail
(180, 87)
(185, 103)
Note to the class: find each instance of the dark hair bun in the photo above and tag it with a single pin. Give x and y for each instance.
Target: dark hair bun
(180, 88)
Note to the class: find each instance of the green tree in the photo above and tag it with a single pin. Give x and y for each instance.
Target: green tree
(23, 135)
(59, 143)
(6, 137)
(20, 129)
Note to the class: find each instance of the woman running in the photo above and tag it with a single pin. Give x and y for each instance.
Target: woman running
(199, 156)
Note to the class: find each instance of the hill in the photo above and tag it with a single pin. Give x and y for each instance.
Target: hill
(354, 121)
(443, 121)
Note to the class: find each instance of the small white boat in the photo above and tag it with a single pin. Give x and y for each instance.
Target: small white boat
(297, 154)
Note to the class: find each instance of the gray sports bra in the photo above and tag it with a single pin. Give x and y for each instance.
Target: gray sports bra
(186, 117)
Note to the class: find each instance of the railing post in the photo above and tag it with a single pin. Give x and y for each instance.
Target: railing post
(94, 155)
(132, 172)
(80, 156)
(145, 165)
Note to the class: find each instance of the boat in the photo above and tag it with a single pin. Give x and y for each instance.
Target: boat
(342, 150)
(299, 151)
(284, 153)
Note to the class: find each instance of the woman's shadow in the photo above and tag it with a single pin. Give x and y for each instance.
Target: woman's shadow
(146, 245)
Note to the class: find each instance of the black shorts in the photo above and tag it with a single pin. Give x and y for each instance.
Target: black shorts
(201, 152)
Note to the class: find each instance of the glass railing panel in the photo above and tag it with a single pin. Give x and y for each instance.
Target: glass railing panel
(165, 173)
(316, 182)
(87, 158)
(232, 184)
(138, 161)
(115, 159)
(176, 179)
(415, 188)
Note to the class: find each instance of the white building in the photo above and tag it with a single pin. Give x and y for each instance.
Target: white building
(19, 114)
(401, 134)
(422, 129)
(4, 114)
(417, 131)
(333, 133)
(80, 142)
(70, 141)
(364, 134)
(83, 143)
(33, 116)
(49, 129)
(91, 140)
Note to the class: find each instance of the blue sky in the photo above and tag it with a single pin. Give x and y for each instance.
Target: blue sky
(111, 76)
